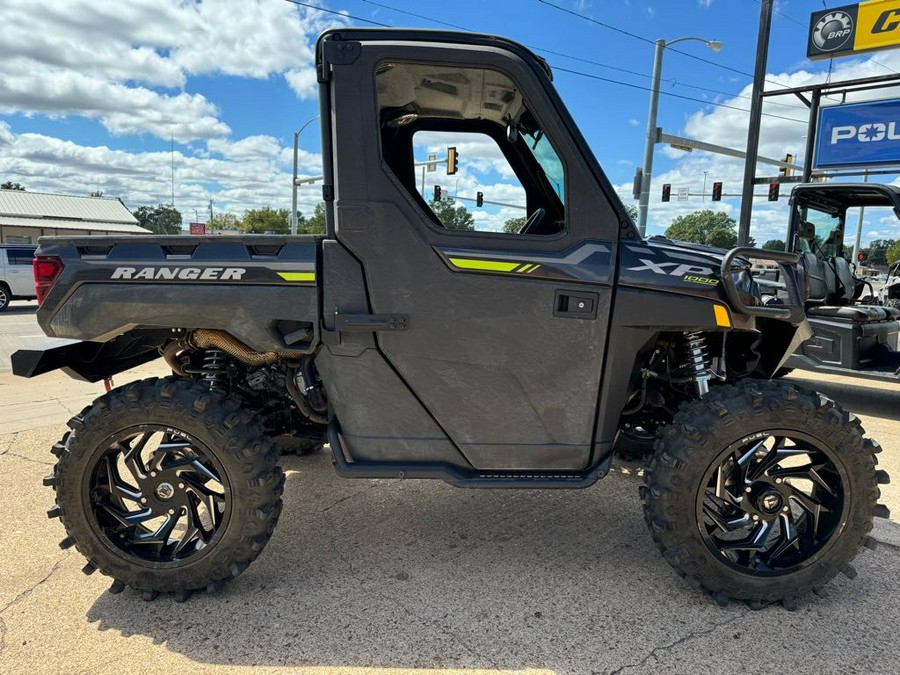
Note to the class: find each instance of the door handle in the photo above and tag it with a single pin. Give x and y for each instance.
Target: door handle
(579, 305)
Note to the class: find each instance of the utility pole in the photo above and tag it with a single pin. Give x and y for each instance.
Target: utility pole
(294, 185)
(859, 224)
(759, 78)
(211, 202)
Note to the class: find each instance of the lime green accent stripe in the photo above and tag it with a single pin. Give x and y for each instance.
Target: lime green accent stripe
(486, 265)
(525, 268)
(298, 276)
(534, 269)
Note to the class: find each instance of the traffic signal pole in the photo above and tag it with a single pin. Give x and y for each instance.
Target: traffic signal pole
(759, 77)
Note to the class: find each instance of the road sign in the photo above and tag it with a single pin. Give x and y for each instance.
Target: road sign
(431, 167)
(859, 134)
(684, 194)
(864, 27)
(198, 228)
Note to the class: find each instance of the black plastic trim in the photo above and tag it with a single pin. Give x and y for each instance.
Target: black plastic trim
(459, 477)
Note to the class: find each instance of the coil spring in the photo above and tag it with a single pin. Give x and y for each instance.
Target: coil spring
(698, 360)
(214, 368)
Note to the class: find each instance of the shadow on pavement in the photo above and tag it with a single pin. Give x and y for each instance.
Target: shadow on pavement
(413, 574)
(21, 308)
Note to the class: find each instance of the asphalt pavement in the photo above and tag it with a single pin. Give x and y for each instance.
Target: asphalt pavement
(398, 576)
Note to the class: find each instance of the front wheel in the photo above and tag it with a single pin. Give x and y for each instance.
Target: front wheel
(167, 486)
(762, 492)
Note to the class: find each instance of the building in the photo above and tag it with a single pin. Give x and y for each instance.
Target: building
(25, 216)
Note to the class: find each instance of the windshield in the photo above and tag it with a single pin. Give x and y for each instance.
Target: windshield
(829, 232)
(546, 157)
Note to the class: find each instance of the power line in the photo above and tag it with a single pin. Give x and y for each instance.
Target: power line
(652, 42)
(670, 94)
(565, 70)
(342, 14)
(413, 14)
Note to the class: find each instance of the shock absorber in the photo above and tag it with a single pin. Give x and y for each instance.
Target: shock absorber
(698, 360)
(214, 369)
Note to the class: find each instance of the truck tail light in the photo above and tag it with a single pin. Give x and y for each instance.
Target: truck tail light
(47, 269)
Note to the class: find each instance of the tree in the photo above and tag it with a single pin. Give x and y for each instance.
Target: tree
(893, 253)
(313, 225)
(877, 251)
(9, 185)
(712, 228)
(632, 211)
(266, 220)
(513, 225)
(453, 217)
(223, 222)
(97, 193)
(160, 219)
(774, 245)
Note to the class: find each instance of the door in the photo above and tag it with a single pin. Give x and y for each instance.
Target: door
(474, 211)
(19, 272)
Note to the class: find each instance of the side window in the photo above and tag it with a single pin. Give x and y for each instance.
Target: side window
(479, 192)
(19, 256)
(465, 146)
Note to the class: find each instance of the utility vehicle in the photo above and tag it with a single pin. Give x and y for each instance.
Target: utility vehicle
(855, 330)
(485, 359)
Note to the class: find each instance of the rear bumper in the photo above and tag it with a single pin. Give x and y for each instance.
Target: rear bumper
(86, 361)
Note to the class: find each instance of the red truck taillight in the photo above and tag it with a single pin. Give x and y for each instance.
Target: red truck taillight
(47, 269)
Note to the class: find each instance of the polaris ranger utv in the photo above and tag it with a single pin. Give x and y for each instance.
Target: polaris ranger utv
(854, 333)
(485, 359)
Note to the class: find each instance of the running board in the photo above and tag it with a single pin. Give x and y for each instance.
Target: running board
(460, 477)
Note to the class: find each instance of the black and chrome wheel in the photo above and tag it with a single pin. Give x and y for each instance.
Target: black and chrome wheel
(762, 492)
(772, 505)
(4, 298)
(167, 486)
(157, 495)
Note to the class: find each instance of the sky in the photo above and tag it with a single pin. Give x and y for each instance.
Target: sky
(124, 97)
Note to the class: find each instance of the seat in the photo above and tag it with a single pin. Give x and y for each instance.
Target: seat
(855, 313)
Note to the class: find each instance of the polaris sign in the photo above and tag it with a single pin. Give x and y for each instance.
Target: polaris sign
(858, 135)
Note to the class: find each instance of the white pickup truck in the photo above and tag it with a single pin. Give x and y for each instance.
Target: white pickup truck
(16, 276)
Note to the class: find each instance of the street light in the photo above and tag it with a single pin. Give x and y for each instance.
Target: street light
(294, 180)
(661, 44)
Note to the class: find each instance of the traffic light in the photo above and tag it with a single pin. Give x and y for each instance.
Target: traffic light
(667, 192)
(773, 192)
(717, 192)
(452, 161)
(789, 158)
(437, 193)
(479, 199)
(863, 256)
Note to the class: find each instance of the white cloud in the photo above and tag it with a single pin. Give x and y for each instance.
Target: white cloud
(108, 60)
(728, 127)
(248, 173)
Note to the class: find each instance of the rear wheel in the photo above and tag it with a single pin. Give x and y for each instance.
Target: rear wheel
(5, 297)
(893, 302)
(167, 486)
(762, 492)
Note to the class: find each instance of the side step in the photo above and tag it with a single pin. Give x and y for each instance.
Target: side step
(460, 477)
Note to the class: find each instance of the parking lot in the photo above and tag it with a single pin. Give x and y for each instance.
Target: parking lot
(413, 576)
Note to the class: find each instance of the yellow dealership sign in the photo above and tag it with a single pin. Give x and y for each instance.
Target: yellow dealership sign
(852, 29)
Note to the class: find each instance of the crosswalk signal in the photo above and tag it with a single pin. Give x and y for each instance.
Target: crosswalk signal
(717, 192)
(773, 192)
(452, 161)
(437, 193)
(479, 199)
(667, 192)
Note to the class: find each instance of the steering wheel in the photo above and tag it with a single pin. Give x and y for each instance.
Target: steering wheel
(533, 220)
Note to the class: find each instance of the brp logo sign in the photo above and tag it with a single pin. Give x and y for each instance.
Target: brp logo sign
(833, 30)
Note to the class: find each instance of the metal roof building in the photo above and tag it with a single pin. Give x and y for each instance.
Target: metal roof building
(25, 216)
